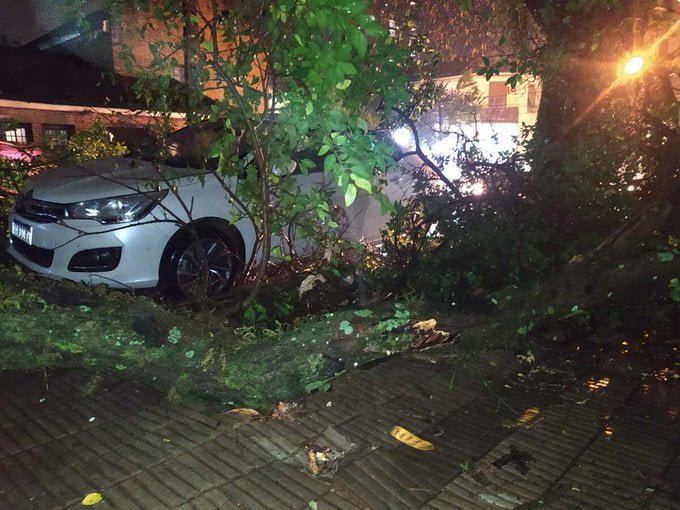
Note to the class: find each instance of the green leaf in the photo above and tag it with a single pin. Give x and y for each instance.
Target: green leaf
(309, 108)
(208, 45)
(343, 85)
(346, 328)
(577, 313)
(350, 194)
(359, 41)
(362, 124)
(276, 251)
(306, 163)
(322, 385)
(363, 313)
(362, 183)
(324, 149)
(664, 256)
(329, 162)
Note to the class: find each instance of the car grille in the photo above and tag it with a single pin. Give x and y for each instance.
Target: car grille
(39, 210)
(40, 256)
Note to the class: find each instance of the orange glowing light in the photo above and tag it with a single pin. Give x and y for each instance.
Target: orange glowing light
(634, 65)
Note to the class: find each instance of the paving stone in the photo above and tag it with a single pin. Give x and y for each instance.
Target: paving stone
(118, 498)
(261, 490)
(174, 482)
(141, 453)
(279, 486)
(188, 475)
(235, 497)
(161, 490)
(336, 501)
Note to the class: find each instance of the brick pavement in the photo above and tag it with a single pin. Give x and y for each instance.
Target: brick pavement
(613, 448)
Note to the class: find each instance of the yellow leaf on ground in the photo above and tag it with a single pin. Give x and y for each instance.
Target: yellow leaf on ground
(425, 325)
(309, 282)
(244, 410)
(92, 499)
(528, 416)
(410, 439)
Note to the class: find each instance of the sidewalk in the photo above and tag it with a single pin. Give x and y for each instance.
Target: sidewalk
(613, 445)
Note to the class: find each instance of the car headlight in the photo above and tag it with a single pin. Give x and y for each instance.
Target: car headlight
(120, 209)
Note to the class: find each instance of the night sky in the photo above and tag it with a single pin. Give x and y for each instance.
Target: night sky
(21, 21)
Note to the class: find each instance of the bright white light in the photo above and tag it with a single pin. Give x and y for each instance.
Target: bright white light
(631, 188)
(403, 137)
(634, 65)
(444, 146)
(477, 188)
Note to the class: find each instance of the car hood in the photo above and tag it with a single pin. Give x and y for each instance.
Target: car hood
(101, 178)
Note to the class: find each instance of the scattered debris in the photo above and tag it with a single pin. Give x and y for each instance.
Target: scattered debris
(245, 411)
(528, 417)
(427, 325)
(283, 410)
(597, 384)
(500, 500)
(323, 459)
(408, 438)
(528, 358)
(427, 336)
(518, 460)
(309, 282)
(92, 499)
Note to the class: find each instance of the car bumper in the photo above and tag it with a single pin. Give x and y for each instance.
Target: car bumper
(54, 245)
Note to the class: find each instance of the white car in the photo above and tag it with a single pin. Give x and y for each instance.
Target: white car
(101, 223)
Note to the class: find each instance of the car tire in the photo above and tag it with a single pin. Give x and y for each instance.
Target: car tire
(201, 264)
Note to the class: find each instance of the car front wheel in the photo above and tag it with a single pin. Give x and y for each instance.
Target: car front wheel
(202, 265)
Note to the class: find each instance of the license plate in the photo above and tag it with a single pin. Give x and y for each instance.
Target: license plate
(22, 231)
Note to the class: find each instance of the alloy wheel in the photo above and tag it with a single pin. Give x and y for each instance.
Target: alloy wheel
(205, 268)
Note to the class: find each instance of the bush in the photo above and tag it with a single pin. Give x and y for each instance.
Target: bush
(92, 143)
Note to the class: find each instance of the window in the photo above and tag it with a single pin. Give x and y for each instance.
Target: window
(56, 134)
(392, 28)
(532, 106)
(498, 109)
(178, 73)
(22, 134)
(498, 94)
(136, 139)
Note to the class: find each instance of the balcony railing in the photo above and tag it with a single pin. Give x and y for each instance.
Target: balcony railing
(500, 114)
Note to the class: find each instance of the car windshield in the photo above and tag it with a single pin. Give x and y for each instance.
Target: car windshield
(188, 147)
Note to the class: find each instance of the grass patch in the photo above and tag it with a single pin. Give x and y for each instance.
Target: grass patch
(47, 324)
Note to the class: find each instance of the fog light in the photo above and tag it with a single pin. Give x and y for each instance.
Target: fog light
(97, 260)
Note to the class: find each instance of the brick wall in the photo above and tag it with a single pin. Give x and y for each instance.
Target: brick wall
(136, 30)
(81, 120)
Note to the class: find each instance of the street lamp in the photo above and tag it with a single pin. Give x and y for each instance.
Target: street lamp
(633, 65)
